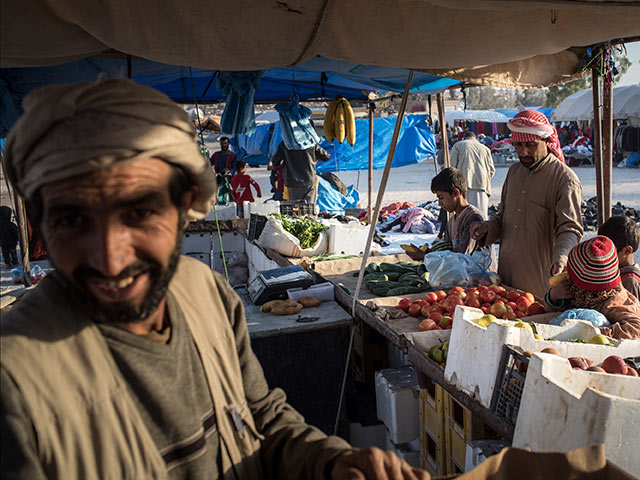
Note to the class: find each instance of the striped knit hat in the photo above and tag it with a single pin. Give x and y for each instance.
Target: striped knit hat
(530, 125)
(593, 265)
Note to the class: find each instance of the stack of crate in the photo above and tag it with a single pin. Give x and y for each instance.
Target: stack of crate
(432, 435)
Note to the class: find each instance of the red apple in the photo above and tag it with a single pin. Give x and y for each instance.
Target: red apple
(431, 297)
(536, 308)
(615, 364)
(498, 309)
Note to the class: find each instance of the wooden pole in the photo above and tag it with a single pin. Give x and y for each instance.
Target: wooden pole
(607, 144)
(24, 238)
(370, 204)
(597, 142)
(443, 130)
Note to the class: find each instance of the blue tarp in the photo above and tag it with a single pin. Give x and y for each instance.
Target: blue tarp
(331, 200)
(317, 78)
(415, 144)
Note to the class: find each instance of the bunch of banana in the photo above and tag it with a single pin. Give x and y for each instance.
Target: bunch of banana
(411, 248)
(339, 122)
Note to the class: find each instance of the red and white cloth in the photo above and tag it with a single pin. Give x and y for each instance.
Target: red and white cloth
(530, 125)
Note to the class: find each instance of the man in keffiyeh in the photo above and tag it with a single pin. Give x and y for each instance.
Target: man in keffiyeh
(539, 218)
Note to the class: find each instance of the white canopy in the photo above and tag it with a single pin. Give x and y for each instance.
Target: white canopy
(579, 106)
(477, 115)
(498, 42)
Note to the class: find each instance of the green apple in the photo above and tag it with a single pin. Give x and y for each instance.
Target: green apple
(599, 340)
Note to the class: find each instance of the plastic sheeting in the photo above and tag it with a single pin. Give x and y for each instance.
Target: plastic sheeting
(331, 200)
(297, 131)
(240, 88)
(415, 144)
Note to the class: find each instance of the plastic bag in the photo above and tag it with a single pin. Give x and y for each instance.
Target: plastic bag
(37, 274)
(16, 275)
(587, 314)
(447, 269)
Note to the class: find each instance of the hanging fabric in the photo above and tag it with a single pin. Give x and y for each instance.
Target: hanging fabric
(240, 89)
(297, 131)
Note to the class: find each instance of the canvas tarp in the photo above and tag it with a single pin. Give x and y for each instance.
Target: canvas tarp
(456, 38)
(579, 106)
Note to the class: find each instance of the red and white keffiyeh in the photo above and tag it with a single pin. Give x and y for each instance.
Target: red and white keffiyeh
(530, 125)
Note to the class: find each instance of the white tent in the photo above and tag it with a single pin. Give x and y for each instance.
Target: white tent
(579, 106)
(476, 115)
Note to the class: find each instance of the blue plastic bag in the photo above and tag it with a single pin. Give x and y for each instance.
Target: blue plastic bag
(448, 269)
(587, 314)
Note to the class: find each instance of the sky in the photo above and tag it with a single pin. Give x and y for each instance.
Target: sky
(632, 76)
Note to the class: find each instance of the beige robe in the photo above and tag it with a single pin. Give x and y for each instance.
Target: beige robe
(538, 222)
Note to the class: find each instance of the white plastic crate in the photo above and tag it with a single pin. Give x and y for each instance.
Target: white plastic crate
(271, 206)
(231, 242)
(323, 291)
(225, 212)
(348, 239)
(563, 409)
(196, 242)
(397, 401)
(474, 351)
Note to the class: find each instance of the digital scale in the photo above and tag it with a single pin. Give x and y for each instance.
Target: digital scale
(273, 284)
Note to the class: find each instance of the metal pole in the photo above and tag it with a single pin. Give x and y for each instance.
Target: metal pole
(369, 210)
(443, 130)
(607, 143)
(597, 142)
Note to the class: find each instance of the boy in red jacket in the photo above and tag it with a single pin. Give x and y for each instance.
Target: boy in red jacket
(241, 185)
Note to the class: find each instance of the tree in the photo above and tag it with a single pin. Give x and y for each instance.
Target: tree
(557, 93)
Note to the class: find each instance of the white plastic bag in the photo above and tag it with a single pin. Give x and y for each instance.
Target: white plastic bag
(275, 237)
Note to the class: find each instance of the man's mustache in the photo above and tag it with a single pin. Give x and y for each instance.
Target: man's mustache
(140, 266)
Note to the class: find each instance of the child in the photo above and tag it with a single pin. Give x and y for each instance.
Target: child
(624, 234)
(8, 238)
(241, 185)
(450, 188)
(593, 281)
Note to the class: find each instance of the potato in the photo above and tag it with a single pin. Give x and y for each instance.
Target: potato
(288, 307)
(309, 301)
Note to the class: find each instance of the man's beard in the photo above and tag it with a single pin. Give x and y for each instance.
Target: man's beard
(125, 312)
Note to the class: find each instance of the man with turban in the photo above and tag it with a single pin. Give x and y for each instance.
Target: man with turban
(539, 218)
(129, 360)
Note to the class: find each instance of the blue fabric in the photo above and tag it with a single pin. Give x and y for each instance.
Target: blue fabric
(240, 88)
(331, 200)
(593, 316)
(297, 131)
(415, 144)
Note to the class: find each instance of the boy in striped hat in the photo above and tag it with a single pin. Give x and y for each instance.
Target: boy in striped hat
(593, 281)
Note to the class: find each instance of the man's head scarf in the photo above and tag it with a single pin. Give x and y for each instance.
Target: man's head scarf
(69, 130)
(530, 125)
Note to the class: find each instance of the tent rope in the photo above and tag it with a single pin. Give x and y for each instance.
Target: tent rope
(215, 210)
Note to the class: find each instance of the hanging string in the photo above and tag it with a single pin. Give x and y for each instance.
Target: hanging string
(203, 150)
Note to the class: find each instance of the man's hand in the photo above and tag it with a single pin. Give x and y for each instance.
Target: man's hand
(374, 464)
(478, 230)
(556, 268)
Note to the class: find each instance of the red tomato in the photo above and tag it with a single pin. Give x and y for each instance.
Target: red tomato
(456, 290)
(523, 302)
(436, 308)
(472, 291)
(426, 325)
(512, 295)
(404, 304)
(509, 309)
(487, 296)
(482, 288)
(441, 294)
(472, 301)
(536, 308)
(499, 289)
(431, 297)
(509, 316)
(424, 311)
(436, 317)
(414, 310)
(513, 306)
(424, 303)
(500, 300)
(530, 296)
(498, 309)
(485, 309)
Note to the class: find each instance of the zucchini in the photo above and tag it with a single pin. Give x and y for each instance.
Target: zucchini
(394, 267)
(373, 267)
(394, 292)
(380, 291)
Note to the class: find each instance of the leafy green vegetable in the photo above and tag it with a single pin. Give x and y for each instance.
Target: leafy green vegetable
(307, 231)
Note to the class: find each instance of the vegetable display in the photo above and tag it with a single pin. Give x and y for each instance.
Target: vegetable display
(306, 231)
(393, 279)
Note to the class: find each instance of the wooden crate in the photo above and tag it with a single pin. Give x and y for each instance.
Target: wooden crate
(432, 435)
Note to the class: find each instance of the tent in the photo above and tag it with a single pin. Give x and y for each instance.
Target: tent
(476, 116)
(479, 41)
(579, 106)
